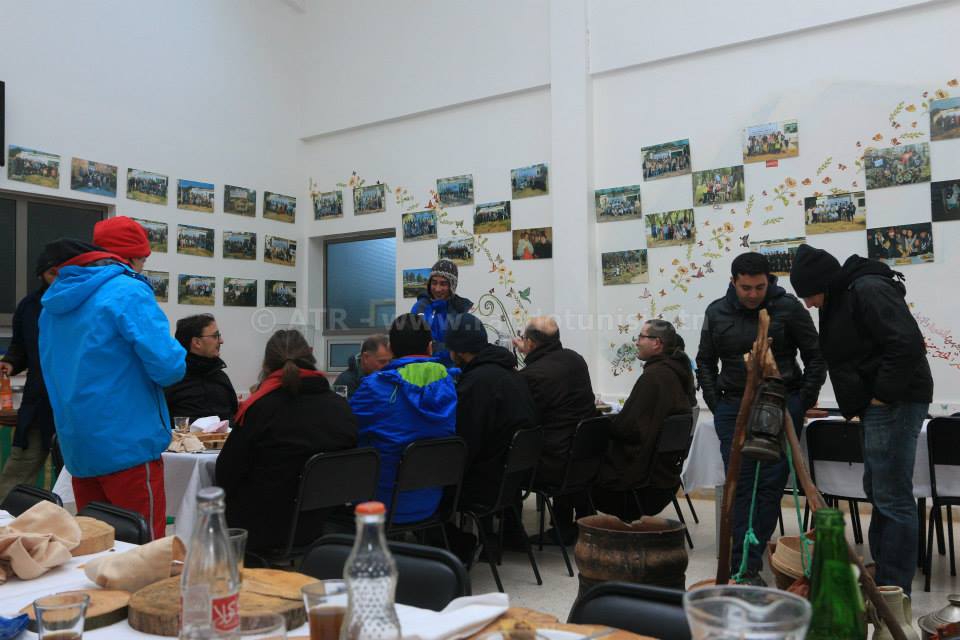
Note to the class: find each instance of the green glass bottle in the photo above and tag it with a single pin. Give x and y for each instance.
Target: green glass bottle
(838, 611)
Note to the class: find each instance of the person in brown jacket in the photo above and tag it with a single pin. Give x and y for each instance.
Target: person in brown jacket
(665, 388)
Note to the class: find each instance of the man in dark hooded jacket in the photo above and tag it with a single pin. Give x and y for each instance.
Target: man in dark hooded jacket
(878, 366)
(729, 331)
(205, 389)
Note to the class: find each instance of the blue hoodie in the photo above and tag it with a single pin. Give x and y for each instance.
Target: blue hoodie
(106, 354)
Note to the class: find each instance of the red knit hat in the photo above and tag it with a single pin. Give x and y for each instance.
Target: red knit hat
(123, 236)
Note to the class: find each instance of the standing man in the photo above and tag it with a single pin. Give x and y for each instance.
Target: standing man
(879, 370)
(374, 355)
(205, 390)
(729, 331)
(440, 305)
(107, 353)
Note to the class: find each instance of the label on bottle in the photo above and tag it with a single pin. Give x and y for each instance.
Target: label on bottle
(226, 612)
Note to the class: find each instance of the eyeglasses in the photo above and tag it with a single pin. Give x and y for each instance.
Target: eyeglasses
(648, 337)
(212, 335)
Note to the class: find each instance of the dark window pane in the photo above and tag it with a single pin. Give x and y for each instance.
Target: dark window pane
(49, 222)
(361, 284)
(8, 255)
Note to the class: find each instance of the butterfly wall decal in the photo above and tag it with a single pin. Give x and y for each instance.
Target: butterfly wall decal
(745, 241)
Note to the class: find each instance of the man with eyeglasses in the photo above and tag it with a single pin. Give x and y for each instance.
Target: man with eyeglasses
(205, 390)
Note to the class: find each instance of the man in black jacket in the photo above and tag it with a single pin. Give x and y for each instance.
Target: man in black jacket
(878, 366)
(205, 389)
(374, 355)
(729, 330)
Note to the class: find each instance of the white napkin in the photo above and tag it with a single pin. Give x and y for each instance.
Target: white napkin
(461, 618)
(210, 424)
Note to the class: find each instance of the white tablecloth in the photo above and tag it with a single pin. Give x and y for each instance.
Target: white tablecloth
(183, 475)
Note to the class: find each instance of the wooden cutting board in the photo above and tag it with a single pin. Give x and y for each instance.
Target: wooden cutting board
(156, 608)
(106, 607)
(95, 536)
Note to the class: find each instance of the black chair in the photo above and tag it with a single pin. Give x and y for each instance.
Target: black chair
(675, 439)
(56, 456)
(129, 526)
(329, 480)
(428, 577)
(641, 608)
(590, 441)
(24, 496)
(693, 512)
(943, 449)
(518, 474)
(425, 464)
(836, 441)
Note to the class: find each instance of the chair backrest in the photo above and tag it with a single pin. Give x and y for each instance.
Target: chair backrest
(129, 526)
(428, 577)
(56, 455)
(676, 434)
(641, 608)
(435, 462)
(521, 465)
(24, 496)
(943, 446)
(590, 441)
(834, 441)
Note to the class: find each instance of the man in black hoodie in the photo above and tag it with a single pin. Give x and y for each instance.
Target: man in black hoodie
(205, 389)
(729, 331)
(878, 366)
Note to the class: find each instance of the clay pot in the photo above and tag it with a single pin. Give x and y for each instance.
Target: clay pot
(647, 551)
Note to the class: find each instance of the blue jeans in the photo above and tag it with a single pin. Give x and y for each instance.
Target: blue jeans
(773, 480)
(889, 449)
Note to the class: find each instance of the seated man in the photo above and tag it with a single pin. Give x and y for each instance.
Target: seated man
(665, 388)
(374, 355)
(412, 398)
(205, 390)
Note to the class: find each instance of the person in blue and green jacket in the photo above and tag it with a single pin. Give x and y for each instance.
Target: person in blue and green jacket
(412, 398)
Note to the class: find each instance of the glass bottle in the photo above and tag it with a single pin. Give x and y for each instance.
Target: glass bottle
(371, 577)
(838, 610)
(210, 583)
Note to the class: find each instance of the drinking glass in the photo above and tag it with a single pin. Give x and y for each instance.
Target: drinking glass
(341, 390)
(326, 605)
(181, 424)
(61, 616)
(238, 543)
(269, 626)
(737, 612)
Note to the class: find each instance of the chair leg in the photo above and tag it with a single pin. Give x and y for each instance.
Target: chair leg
(855, 521)
(500, 539)
(482, 535)
(693, 511)
(806, 514)
(949, 526)
(922, 537)
(929, 561)
(940, 542)
(556, 531)
(543, 512)
(443, 533)
(780, 520)
(686, 529)
(527, 546)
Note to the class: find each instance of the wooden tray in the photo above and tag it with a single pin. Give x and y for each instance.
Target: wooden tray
(95, 536)
(212, 440)
(106, 607)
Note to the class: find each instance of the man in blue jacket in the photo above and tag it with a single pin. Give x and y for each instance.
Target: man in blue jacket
(412, 398)
(107, 353)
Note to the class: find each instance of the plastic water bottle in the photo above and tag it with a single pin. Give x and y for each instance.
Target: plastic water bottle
(371, 577)
(210, 583)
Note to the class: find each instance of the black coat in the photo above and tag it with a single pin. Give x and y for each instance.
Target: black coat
(204, 391)
(352, 377)
(24, 353)
(493, 403)
(559, 381)
(260, 465)
(870, 339)
(729, 331)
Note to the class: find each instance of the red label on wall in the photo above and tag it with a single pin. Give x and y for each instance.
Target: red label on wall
(226, 612)
(773, 163)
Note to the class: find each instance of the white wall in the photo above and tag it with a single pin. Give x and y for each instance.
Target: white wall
(187, 89)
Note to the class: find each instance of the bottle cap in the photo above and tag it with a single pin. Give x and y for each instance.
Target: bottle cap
(209, 494)
(370, 509)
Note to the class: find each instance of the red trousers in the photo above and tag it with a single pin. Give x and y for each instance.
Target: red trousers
(138, 488)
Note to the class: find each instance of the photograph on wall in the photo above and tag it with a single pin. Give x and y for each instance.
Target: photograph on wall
(194, 196)
(455, 191)
(33, 167)
(196, 289)
(617, 203)
(835, 212)
(624, 267)
(146, 186)
(156, 234)
(670, 228)
(280, 251)
(159, 282)
(945, 119)
(280, 293)
(370, 199)
(779, 253)
(666, 160)
(902, 244)
(97, 178)
(239, 292)
(533, 244)
(239, 201)
(414, 281)
(459, 249)
(527, 182)
(718, 186)
(279, 207)
(945, 200)
(194, 241)
(328, 204)
(771, 141)
(492, 217)
(420, 225)
(895, 166)
(240, 245)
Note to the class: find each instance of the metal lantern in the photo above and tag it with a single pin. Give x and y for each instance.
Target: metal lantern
(766, 422)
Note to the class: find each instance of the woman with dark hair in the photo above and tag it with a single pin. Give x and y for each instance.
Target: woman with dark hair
(292, 416)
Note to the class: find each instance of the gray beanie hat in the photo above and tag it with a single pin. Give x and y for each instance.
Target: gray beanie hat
(445, 269)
